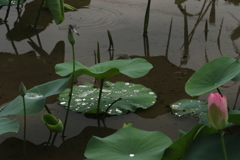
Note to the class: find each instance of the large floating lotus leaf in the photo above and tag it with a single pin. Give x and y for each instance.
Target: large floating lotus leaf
(35, 98)
(57, 9)
(189, 106)
(212, 75)
(128, 144)
(7, 125)
(209, 147)
(13, 2)
(133, 68)
(85, 97)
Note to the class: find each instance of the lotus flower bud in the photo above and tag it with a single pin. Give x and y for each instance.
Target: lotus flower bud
(52, 123)
(71, 38)
(22, 89)
(217, 113)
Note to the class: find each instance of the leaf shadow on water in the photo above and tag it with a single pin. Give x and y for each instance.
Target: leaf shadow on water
(31, 68)
(165, 79)
(72, 148)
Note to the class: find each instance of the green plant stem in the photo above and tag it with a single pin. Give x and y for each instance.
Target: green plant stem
(54, 138)
(50, 136)
(48, 110)
(111, 106)
(223, 145)
(39, 12)
(24, 132)
(71, 90)
(99, 97)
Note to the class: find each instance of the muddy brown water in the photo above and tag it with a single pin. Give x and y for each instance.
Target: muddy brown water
(175, 51)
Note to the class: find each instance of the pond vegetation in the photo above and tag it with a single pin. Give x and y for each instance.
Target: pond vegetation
(119, 86)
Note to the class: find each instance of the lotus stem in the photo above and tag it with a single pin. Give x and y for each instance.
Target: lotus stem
(24, 134)
(223, 146)
(111, 105)
(50, 136)
(22, 91)
(99, 97)
(48, 110)
(54, 138)
(71, 91)
(146, 20)
(38, 15)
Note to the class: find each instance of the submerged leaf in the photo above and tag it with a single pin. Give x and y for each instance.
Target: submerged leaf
(192, 107)
(132, 96)
(7, 125)
(128, 143)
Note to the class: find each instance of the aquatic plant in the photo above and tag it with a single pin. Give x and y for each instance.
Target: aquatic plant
(35, 98)
(7, 125)
(209, 77)
(56, 7)
(128, 143)
(212, 75)
(131, 96)
(217, 117)
(22, 91)
(53, 124)
(133, 68)
(71, 40)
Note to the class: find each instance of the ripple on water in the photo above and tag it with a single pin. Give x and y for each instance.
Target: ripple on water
(96, 19)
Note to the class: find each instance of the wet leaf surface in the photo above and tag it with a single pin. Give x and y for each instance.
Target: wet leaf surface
(133, 96)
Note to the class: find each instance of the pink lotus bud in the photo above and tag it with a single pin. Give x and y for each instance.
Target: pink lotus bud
(217, 113)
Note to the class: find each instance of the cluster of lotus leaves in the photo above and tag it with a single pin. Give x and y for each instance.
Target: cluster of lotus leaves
(132, 96)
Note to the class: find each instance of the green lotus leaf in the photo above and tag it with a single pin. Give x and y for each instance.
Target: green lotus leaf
(193, 107)
(13, 2)
(128, 144)
(234, 116)
(57, 9)
(212, 75)
(209, 147)
(35, 98)
(133, 68)
(179, 148)
(133, 96)
(7, 125)
(52, 123)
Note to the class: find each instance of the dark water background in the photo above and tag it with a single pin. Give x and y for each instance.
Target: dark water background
(30, 57)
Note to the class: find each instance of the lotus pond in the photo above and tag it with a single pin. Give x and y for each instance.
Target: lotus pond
(143, 76)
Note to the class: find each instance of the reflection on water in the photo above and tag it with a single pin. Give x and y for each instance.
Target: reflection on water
(182, 36)
(31, 68)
